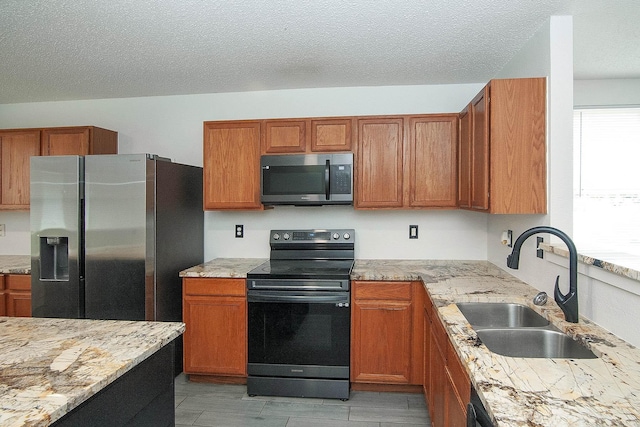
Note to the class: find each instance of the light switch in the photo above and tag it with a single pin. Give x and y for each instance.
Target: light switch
(413, 231)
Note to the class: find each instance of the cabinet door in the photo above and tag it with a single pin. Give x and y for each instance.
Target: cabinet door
(65, 141)
(432, 161)
(331, 134)
(285, 136)
(383, 342)
(215, 336)
(480, 151)
(3, 297)
(232, 165)
(18, 295)
(456, 411)
(16, 149)
(518, 152)
(437, 381)
(426, 349)
(380, 163)
(464, 159)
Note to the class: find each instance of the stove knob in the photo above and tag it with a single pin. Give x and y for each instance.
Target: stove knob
(286, 236)
(347, 236)
(336, 236)
(276, 236)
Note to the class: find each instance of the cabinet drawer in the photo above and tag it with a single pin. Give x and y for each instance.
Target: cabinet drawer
(394, 291)
(18, 282)
(214, 286)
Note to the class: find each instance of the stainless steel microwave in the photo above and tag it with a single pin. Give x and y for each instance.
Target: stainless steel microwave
(307, 179)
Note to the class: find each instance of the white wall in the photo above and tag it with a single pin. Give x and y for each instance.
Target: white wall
(172, 126)
(608, 299)
(603, 93)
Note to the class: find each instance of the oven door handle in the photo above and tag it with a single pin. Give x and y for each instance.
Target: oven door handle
(324, 299)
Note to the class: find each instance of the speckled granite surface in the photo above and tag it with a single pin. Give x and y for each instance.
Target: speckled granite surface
(15, 264)
(223, 267)
(49, 366)
(516, 391)
(621, 264)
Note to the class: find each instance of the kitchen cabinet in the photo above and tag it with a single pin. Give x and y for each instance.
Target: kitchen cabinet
(379, 160)
(446, 384)
(83, 140)
(332, 134)
(407, 162)
(308, 135)
(215, 339)
(386, 341)
(3, 297)
(16, 149)
(464, 158)
(18, 145)
(285, 136)
(433, 158)
(15, 295)
(232, 165)
(504, 131)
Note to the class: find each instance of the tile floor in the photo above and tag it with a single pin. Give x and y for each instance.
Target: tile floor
(222, 405)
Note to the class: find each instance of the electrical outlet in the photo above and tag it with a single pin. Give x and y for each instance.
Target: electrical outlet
(2, 232)
(239, 231)
(539, 252)
(413, 231)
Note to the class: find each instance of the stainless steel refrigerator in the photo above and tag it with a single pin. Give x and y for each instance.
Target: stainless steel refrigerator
(110, 234)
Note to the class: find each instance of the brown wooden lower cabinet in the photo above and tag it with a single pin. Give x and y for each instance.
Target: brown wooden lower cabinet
(447, 385)
(215, 339)
(386, 340)
(15, 295)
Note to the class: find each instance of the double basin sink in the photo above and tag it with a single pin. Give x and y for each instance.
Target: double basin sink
(516, 330)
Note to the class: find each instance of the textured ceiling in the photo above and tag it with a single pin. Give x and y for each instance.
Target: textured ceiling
(89, 49)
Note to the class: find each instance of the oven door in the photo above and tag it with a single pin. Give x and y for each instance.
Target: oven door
(302, 334)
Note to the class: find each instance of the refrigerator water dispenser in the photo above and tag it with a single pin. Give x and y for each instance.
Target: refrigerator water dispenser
(54, 258)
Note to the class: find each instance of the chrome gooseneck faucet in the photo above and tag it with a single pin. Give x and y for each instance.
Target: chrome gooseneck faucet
(567, 302)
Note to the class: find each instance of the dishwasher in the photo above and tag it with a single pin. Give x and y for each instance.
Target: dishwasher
(477, 415)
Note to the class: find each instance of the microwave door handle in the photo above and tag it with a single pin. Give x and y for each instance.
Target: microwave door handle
(327, 179)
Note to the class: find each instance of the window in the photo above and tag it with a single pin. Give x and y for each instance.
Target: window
(607, 182)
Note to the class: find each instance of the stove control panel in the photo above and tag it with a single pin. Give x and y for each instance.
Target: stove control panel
(312, 236)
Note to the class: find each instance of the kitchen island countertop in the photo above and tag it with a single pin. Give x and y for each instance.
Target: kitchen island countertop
(49, 367)
(516, 391)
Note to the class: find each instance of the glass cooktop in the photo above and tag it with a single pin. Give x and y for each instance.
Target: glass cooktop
(303, 269)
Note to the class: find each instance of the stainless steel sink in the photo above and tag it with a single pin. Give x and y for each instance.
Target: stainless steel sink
(501, 315)
(533, 343)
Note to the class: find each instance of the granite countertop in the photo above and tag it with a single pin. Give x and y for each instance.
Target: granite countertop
(224, 267)
(521, 391)
(516, 391)
(15, 264)
(50, 366)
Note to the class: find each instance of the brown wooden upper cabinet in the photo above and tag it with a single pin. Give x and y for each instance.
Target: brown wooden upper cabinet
(16, 149)
(282, 136)
(407, 162)
(433, 158)
(79, 141)
(232, 165)
(18, 145)
(380, 159)
(502, 148)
